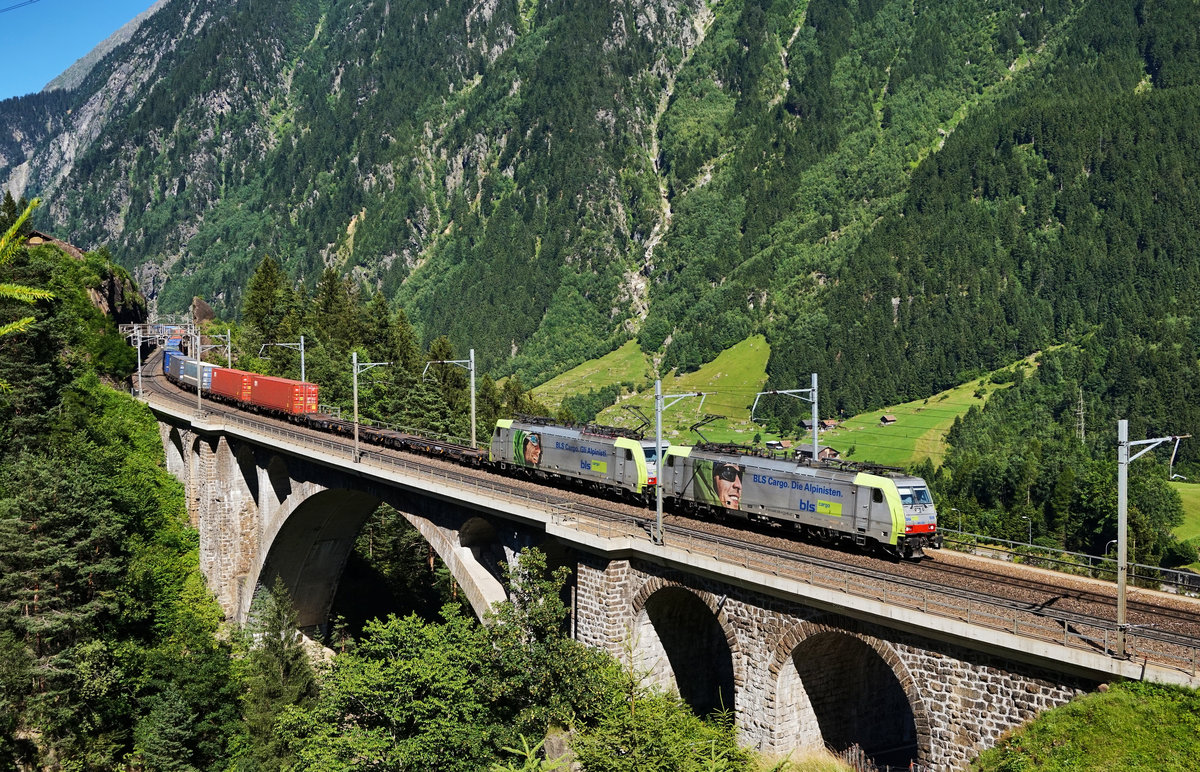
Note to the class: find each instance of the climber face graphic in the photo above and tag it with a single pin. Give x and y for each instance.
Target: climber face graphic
(727, 481)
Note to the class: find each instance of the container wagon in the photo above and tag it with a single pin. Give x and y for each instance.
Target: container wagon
(231, 384)
(283, 395)
(183, 370)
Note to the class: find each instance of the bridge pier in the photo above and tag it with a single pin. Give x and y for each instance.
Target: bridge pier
(263, 514)
(798, 676)
(799, 664)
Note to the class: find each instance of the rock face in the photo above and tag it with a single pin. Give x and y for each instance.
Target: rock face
(60, 127)
(120, 299)
(202, 312)
(373, 138)
(74, 75)
(116, 295)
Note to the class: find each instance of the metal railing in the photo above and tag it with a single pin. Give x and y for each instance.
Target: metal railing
(1070, 630)
(1075, 563)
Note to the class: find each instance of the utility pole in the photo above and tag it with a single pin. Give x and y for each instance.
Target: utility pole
(199, 374)
(359, 368)
(200, 349)
(228, 346)
(156, 333)
(468, 365)
(294, 346)
(808, 395)
(1123, 460)
(659, 451)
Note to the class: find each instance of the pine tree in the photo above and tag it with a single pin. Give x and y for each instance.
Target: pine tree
(164, 734)
(267, 299)
(8, 211)
(15, 667)
(278, 675)
(331, 311)
(407, 351)
(452, 380)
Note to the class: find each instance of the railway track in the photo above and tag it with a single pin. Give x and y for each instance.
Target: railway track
(1005, 596)
(1167, 613)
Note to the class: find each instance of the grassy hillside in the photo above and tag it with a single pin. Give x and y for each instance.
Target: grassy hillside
(1189, 529)
(1136, 726)
(1190, 493)
(627, 365)
(920, 428)
(730, 383)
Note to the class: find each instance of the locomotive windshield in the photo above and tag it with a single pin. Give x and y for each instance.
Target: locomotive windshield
(651, 458)
(915, 497)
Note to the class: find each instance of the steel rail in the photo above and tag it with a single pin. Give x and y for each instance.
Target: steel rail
(1054, 625)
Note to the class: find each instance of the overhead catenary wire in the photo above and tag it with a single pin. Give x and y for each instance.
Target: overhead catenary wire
(19, 5)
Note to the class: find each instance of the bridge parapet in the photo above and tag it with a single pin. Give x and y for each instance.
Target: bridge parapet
(798, 654)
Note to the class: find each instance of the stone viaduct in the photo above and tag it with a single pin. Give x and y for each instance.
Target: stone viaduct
(799, 664)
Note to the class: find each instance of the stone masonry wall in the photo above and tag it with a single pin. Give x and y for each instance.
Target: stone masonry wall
(242, 498)
(961, 701)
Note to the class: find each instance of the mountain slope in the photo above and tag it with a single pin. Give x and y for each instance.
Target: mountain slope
(897, 193)
(74, 75)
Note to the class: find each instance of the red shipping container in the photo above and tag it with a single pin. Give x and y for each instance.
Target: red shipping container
(231, 384)
(283, 394)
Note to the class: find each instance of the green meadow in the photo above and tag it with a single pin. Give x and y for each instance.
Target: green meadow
(1190, 493)
(625, 365)
(1130, 726)
(919, 430)
(729, 385)
(1189, 529)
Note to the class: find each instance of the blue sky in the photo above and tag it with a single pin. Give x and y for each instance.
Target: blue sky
(45, 37)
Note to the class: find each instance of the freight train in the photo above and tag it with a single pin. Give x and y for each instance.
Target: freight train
(876, 507)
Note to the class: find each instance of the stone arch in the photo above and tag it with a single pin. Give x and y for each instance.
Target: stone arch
(316, 532)
(310, 550)
(478, 535)
(837, 686)
(681, 630)
(174, 451)
(247, 467)
(281, 480)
